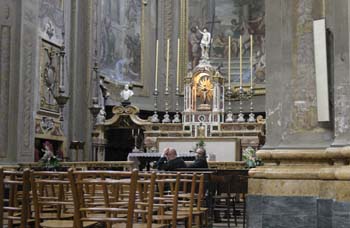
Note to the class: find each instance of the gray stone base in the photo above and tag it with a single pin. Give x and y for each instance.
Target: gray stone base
(296, 212)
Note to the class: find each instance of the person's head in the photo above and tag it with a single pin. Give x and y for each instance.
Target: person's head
(171, 154)
(205, 29)
(200, 152)
(126, 86)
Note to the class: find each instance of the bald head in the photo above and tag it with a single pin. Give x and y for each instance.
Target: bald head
(171, 154)
(200, 152)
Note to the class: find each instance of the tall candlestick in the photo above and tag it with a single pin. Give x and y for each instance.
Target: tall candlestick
(156, 73)
(167, 65)
(229, 61)
(240, 62)
(178, 60)
(251, 61)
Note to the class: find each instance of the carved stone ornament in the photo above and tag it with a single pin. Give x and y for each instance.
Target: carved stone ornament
(46, 123)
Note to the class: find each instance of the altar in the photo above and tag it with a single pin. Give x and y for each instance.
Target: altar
(203, 121)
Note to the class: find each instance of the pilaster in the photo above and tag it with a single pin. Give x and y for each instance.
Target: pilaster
(26, 81)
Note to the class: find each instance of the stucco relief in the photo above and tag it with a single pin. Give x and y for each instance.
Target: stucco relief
(51, 20)
(49, 76)
(27, 71)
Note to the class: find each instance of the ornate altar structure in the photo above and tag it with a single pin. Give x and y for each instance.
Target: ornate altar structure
(203, 119)
(203, 101)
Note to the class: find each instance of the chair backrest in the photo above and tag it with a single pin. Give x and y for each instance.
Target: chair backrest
(14, 198)
(113, 185)
(51, 192)
(168, 184)
(145, 194)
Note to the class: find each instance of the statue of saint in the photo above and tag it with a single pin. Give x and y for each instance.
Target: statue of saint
(126, 93)
(205, 42)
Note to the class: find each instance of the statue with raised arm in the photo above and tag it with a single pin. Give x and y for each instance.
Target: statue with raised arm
(205, 42)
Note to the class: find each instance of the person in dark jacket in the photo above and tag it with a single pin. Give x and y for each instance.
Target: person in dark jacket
(169, 161)
(201, 159)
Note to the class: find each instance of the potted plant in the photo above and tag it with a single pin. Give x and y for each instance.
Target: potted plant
(249, 156)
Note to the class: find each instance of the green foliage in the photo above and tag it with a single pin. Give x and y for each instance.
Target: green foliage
(249, 156)
(201, 144)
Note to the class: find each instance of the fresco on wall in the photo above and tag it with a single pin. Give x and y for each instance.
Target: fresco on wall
(224, 18)
(121, 40)
(51, 20)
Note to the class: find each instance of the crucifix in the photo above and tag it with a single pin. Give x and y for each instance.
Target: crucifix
(212, 23)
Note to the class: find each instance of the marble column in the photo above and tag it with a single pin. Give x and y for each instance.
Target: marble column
(80, 71)
(304, 181)
(338, 25)
(291, 88)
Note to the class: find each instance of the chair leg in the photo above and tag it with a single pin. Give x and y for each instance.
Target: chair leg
(228, 211)
(234, 210)
(244, 207)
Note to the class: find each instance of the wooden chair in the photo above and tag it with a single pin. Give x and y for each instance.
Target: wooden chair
(224, 199)
(196, 193)
(52, 200)
(14, 198)
(146, 186)
(167, 199)
(240, 188)
(113, 185)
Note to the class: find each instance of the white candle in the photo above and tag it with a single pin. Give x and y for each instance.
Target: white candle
(229, 61)
(156, 73)
(178, 65)
(251, 61)
(132, 132)
(240, 62)
(167, 65)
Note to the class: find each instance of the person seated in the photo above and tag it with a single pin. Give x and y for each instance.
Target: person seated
(201, 159)
(169, 160)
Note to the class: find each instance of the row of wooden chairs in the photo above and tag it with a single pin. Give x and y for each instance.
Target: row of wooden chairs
(115, 199)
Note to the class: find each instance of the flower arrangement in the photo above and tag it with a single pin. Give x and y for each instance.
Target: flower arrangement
(49, 160)
(249, 156)
(200, 144)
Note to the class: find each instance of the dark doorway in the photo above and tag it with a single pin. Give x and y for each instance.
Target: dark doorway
(119, 144)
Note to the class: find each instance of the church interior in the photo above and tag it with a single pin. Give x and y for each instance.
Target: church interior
(174, 113)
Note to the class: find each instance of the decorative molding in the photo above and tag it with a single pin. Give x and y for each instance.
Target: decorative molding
(27, 74)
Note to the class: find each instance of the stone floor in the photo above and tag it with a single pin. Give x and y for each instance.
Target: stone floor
(223, 224)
